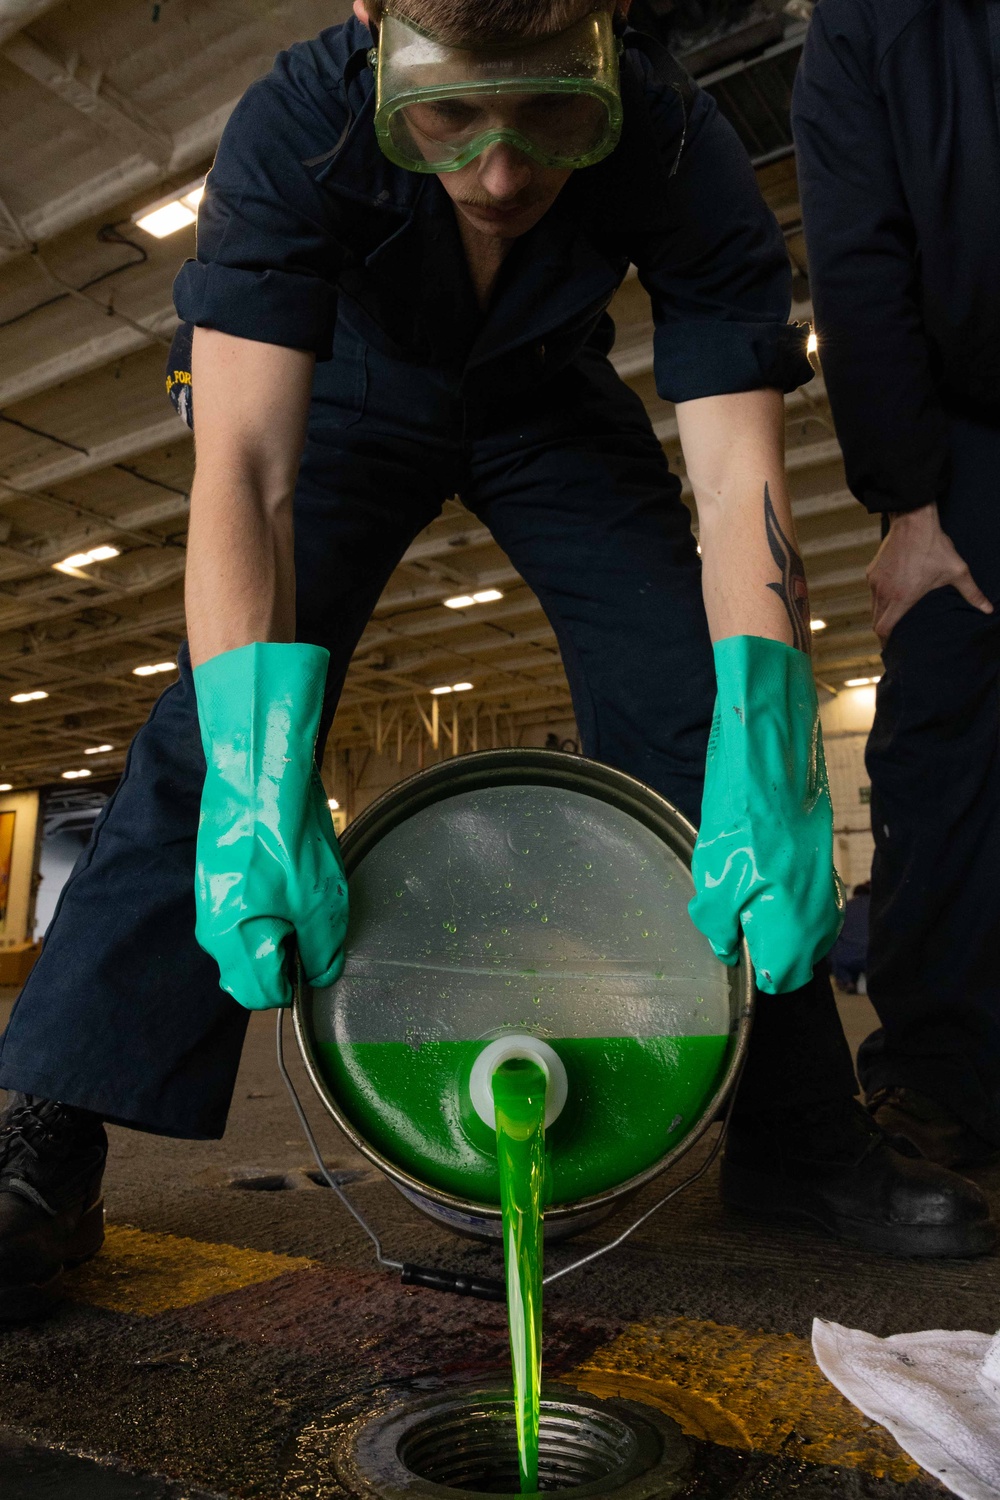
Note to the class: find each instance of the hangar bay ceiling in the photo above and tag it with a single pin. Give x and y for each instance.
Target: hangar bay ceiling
(109, 106)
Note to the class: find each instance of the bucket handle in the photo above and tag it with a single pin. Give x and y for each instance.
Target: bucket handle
(486, 1288)
(331, 1181)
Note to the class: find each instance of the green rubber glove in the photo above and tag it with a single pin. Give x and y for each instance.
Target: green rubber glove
(764, 856)
(268, 861)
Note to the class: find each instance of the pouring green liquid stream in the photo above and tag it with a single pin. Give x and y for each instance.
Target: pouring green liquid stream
(519, 1100)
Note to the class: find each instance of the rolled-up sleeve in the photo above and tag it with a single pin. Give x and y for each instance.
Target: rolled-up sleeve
(862, 251)
(718, 274)
(267, 261)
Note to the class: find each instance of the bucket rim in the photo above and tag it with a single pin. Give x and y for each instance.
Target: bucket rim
(529, 766)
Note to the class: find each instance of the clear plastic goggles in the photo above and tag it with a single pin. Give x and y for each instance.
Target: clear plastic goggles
(555, 99)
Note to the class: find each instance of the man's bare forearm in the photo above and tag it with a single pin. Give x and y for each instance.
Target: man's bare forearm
(240, 579)
(753, 579)
(250, 403)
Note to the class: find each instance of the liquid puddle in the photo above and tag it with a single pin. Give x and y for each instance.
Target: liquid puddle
(519, 1101)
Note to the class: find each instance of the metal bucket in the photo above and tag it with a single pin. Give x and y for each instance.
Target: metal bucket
(539, 895)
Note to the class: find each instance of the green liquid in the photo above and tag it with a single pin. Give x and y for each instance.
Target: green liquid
(519, 1099)
(630, 1102)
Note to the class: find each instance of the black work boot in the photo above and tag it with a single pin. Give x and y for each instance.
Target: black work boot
(831, 1168)
(51, 1210)
(919, 1126)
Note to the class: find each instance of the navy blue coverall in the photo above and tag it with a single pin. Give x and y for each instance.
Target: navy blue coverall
(310, 238)
(897, 130)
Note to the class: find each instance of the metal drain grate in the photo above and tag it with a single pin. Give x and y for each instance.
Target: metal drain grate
(476, 1449)
(462, 1444)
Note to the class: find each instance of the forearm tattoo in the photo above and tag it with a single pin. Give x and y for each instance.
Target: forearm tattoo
(791, 589)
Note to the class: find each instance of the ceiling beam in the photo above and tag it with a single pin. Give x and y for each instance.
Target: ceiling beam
(38, 607)
(539, 636)
(112, 113)
(72, 465)
(823, 505)
(420, 626)
(842, 541)
(836, 641)
(193, 146)
(398, 594)
(813, 455)
(436, 543)
(156, 575)
(168, 617)
(17, 13)
(48, 550)
(849, 604)
(871, 660)
(837, 578)
(550, 673)
(81, 359)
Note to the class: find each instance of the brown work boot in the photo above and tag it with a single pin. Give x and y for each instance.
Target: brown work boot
(51, 1209)
(919, 1126)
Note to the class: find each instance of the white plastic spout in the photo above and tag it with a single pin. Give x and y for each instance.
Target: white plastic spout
(532, 1048)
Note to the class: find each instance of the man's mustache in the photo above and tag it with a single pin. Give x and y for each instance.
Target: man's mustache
(483, 200)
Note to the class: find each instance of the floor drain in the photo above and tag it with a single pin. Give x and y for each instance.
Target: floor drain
(253, 1181)
(464, 1443)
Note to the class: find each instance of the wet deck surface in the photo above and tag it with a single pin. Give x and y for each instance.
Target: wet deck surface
(226, 1333)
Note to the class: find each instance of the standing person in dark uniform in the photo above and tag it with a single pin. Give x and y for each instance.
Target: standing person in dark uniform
(849, 954)
(404, 263)
(896, 127)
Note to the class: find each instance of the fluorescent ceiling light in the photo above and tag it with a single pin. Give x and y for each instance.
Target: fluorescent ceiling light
(817, 624)
(812, 342)
(151, 670)
(167, 220)
(167, 215)
(29, 697)
(75, 775)
(862, 681)
(6, 786)
(461, 687)
(465, 601)
(84, 559)
(333, 804)
(98, 749)
(437, 692)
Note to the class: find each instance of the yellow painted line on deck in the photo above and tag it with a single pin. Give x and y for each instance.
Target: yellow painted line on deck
(755, 1391)
(147, 1274)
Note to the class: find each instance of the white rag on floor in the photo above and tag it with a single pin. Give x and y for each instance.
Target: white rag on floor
(938, 1393)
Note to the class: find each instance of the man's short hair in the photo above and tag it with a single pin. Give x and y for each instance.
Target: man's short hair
(455, 21)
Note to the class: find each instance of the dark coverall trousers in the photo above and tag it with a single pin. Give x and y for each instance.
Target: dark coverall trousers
(123, 1013)
(934, 762)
